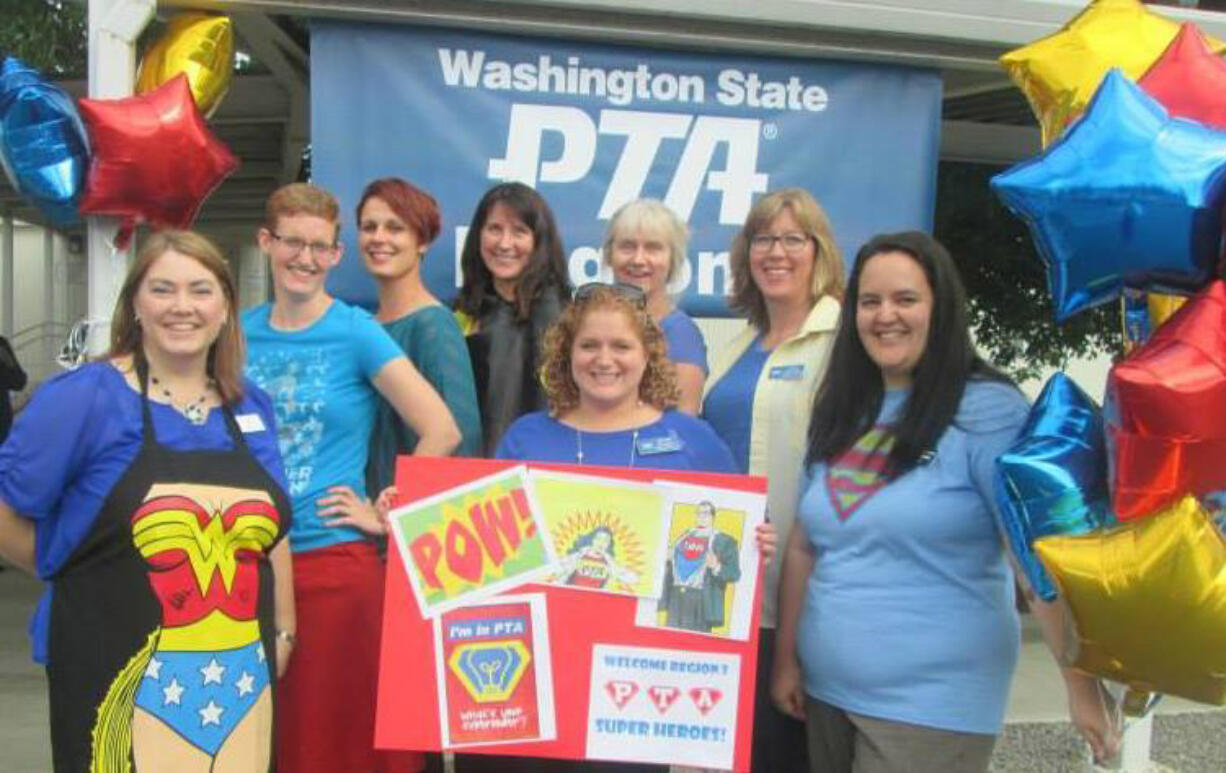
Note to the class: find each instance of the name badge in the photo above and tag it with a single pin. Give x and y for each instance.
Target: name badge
(661, 444)
(787, 372)
(250, 422)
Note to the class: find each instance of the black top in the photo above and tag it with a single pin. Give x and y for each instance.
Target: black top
(506, 354)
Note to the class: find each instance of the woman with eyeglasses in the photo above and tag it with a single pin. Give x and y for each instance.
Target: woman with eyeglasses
(612, 402)
(645, 246)
(787, 277)
(514, 287)
(325, 364)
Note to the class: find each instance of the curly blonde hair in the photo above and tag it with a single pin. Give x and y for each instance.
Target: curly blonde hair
(658, 387)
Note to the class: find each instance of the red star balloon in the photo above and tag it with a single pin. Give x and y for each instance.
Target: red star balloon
(1189, 79)
(1166, 414)
(154, 158)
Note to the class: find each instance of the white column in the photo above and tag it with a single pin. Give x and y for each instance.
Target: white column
(8, 309)
(113, 28)
(50, 344)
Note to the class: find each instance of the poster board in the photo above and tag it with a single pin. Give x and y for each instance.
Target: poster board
(578, 622)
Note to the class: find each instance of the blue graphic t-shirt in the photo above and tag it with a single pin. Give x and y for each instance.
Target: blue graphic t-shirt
(320, 380)
(908, 613)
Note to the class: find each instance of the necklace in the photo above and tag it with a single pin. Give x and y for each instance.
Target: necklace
(195, 412)
(634, 442)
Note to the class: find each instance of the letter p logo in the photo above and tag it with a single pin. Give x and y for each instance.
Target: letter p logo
(525, 136)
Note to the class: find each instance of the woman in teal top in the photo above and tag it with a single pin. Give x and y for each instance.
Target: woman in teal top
(397, 223)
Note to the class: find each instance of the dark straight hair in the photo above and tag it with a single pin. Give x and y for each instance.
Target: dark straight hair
(850, 397)
(546, 269)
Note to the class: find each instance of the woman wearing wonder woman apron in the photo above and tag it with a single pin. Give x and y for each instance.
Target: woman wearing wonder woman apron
(147, 489)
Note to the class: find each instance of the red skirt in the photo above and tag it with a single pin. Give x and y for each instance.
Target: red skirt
(326, 699)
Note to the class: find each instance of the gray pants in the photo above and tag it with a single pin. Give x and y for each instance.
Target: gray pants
(842, 742)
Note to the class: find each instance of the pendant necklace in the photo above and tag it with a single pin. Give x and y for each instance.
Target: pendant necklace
(195, 412)
(634, 442)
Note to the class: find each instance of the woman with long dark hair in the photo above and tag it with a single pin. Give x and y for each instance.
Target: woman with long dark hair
(514, 287)
(897, 633)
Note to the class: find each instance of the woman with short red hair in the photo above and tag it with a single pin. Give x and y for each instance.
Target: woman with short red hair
(397, 223)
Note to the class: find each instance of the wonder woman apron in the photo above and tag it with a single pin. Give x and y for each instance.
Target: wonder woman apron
(161, 638)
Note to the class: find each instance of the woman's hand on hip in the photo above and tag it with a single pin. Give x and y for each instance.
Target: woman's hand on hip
(343, 507)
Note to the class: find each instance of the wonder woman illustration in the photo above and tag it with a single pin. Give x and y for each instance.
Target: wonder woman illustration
(591, 562)
(198, 695)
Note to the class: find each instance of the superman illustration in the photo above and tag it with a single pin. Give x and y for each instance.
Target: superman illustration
(702, 562)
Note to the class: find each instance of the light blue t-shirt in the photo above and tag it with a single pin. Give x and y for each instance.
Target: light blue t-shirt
(675, 441)
(909, 612)
(729, 404)
(319, 379)
(685, 343)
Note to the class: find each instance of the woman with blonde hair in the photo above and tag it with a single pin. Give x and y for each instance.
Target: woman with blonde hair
(645, 246)
(787, 280)
(147, 488)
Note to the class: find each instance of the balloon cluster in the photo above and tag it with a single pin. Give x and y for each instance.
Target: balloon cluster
(1109, 511)
(148, 158)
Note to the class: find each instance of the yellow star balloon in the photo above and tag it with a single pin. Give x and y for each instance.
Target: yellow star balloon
(1161, 307)
(1059, 73)
(1148, 601)
(199, 45)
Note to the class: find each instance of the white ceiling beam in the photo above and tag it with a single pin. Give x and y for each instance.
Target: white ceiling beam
(957, 34)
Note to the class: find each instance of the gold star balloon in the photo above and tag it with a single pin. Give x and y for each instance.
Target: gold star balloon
(199, 45)
(1059, 73)
(1148, 601)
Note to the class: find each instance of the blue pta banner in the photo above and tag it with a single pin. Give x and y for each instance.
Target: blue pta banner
(594, 126)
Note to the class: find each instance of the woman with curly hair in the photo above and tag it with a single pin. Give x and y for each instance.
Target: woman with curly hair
(612, 402)
(612, 393)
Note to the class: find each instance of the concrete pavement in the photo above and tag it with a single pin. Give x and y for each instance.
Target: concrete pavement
(1188, 737)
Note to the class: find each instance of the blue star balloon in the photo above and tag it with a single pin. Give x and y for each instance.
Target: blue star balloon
(1128, 197)
(43, 145)
(1053, 480)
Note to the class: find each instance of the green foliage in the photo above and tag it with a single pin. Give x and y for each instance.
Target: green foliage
(49, 35)
(1010, 307)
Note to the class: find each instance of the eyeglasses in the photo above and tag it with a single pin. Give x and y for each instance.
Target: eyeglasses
(792, 243)
(295, 245)
(632, 293)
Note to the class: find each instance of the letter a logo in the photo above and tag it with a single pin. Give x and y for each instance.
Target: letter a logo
(621, 692)
(705, 698)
